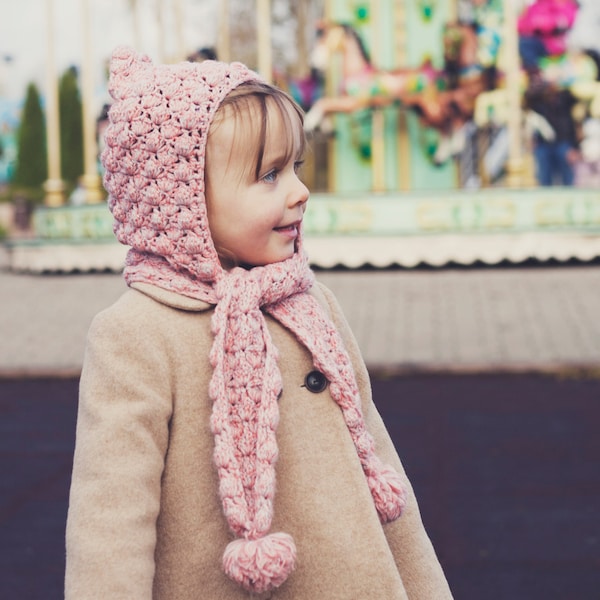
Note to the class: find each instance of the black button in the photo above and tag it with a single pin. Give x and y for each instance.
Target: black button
(315, 382)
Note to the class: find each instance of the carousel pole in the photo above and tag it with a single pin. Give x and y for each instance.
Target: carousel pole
(135, 14)
(302, 66)
(263, 21)
(224, 37)
(377, 114)
(90, 180)
(331, 84)
(515, 164)
(54, 186)
(401, 58)
(453, 12)
(179, 31)
(160, 25)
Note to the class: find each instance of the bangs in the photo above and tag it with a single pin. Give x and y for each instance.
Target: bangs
(254, 105)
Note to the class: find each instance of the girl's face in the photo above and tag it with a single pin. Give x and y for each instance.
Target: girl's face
(254, 218)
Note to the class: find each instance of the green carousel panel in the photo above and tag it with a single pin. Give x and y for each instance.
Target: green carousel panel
(68, 239)
(407, 144)
(491, 226)
(87, 222)
(352, 162)
(488, 211)
(424, 175)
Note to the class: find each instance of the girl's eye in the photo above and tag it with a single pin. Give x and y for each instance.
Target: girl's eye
(298, 165)
(270, 177)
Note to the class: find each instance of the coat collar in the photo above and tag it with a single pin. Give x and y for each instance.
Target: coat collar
(172, 299)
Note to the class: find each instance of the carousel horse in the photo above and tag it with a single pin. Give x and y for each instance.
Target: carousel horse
(450, 104)
(363, 85)
(444, 99)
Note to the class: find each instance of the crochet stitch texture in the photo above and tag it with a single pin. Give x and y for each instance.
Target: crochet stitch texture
(154, 173)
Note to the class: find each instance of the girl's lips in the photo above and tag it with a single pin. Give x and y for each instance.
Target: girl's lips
(290, 230)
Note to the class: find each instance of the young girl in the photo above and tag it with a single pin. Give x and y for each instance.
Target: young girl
(227, 443)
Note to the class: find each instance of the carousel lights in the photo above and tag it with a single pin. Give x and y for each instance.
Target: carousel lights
(427, 8)
(361, 12)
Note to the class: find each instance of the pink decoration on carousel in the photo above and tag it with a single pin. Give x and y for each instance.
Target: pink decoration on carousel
(550, 21)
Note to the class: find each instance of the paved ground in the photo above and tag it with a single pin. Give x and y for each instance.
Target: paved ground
(468, 320)
(505, 468)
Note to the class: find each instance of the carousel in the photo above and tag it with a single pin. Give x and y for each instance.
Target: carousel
(424, 141)
(431, 144)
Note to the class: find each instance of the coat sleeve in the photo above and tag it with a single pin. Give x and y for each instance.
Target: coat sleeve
(413, 552)
(121, 441)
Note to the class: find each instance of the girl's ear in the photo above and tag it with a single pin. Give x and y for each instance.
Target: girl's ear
(127, 68)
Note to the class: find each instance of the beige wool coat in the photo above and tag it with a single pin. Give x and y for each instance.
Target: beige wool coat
(145, 519)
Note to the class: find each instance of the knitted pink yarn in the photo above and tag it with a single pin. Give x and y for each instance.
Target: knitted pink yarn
(275, 553)
(154, 173)
(154, 156)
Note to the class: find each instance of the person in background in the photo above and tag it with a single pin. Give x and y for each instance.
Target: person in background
(202, 54)
(555, 135)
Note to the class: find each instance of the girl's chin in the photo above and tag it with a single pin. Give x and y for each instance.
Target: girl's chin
(273, 254)
(263, 263)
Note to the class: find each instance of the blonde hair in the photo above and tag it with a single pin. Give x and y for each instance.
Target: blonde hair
(245, 99)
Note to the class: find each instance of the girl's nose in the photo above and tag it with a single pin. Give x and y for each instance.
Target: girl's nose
(299, 194)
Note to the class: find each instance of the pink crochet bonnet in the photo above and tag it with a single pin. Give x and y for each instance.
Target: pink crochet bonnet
(154, 173)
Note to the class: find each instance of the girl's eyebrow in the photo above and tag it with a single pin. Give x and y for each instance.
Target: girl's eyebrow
(279, 159)
(271, 165)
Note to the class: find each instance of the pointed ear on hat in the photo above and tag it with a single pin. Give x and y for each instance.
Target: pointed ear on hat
(125, 64)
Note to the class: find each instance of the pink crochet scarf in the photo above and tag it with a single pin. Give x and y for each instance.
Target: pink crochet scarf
(155, 181)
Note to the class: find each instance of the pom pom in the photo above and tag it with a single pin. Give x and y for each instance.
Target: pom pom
(388, 493)
(262, 564)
